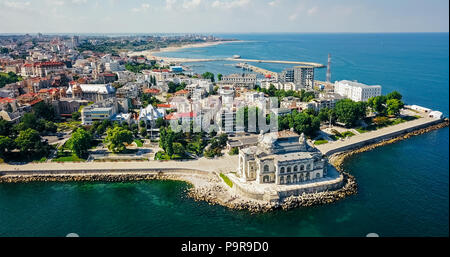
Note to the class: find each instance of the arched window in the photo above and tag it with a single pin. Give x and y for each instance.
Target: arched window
(266, 168)
(282, 170)
(281, 180)
(266, 179)
(317, 175)
(308, 167)
(295, 168)
(302, 167)
(295, 178)
(288, 180)
(288, 169)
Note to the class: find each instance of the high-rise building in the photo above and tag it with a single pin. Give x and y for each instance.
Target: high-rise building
(303, 76)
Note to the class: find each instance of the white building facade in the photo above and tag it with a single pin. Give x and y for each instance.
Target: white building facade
(356, 91)
(281, 158)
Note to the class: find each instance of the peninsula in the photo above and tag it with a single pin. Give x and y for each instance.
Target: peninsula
(99, 109)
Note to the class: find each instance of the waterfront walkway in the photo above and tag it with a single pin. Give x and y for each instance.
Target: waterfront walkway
(222, 164)
(375, 136)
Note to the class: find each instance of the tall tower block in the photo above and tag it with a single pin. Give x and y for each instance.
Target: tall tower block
(329, 69)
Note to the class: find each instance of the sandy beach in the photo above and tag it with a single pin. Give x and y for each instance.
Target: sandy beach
(151, 53)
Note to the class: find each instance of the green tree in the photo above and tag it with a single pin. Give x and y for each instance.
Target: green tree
(393, 106)
(76, 115)
(326, 114)
(29, 140)
(219, 76)
(143, 131)
(178, 149)
(223, 138)
(6, 144)
(159, 122)
(377, 104)
(394, 95)
(5, 127)
(80, 142)
(233, 151)
(45, 111)
(349, 112)
(117, 137)
(208, 75)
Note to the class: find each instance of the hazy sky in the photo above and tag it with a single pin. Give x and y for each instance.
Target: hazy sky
(147, 16)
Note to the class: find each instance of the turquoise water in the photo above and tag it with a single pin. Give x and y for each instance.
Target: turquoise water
(403, 187)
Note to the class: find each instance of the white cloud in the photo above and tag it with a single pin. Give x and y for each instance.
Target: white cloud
(79, 1)
(230, 4)
(189, 4)
(274, 3)
(17, 5)
(170, 4)
(298, 10)
(313, 10)
(144, 7)
(55, 2)
(293, 17)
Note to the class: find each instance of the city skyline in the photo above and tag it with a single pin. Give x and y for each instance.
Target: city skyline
(223, 16)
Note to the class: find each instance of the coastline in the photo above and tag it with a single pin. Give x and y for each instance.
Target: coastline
(338, 159)
(151, 53)
(209, 187)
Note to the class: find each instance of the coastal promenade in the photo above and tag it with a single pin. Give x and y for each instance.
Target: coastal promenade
(376, 136)
(222, 164)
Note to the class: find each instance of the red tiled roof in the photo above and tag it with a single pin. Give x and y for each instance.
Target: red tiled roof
(176, 116)
(163, 70)
(44, 64)
(6, 100)
(28, 95)
(35, 101)
(164, 105)
(48, 90)
(171, 116)
(151, 91)
(182, 92)
(187, 115)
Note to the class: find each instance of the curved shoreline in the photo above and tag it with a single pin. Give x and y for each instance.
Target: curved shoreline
(338, 159)
(210, 188)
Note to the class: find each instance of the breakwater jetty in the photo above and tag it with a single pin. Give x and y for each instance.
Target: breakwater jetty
(383, 134)
(337, 159)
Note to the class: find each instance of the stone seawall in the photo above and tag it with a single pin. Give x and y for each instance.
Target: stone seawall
(68, 173)
(220, 194)
(337, 159)
(422, 128)
(280, 195)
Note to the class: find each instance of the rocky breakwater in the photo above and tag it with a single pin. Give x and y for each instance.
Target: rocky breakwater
(220, 194)
(109, 177)
(338, 159)
(350, 187)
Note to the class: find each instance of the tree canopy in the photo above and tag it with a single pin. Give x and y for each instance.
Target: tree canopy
(29, 140)
(80, 142)
(349, 112)
(117, 137)
(393, 106)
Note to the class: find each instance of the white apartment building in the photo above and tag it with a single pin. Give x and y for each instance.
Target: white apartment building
(286, 86)
(356, 91)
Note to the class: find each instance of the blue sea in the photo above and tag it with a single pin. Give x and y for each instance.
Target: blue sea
(403, 187)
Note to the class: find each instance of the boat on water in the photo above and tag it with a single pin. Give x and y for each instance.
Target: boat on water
(236, 56)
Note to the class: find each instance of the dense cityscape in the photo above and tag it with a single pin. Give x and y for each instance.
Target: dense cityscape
(269, 136)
